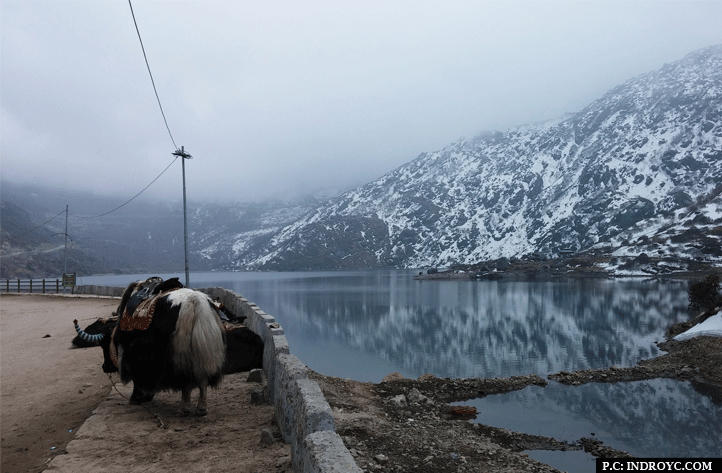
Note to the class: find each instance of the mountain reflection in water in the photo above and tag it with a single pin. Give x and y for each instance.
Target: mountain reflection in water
(390, 321)
(468, 328)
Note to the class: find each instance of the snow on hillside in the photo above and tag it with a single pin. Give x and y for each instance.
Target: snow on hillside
(640, 160)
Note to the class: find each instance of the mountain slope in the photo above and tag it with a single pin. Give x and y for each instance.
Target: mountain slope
(143, 237)
(644, 150)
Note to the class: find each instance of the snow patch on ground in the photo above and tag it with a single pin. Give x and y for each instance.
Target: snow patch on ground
(712, 327)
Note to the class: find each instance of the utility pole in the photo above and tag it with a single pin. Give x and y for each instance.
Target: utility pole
(65, 267)
(181, 152)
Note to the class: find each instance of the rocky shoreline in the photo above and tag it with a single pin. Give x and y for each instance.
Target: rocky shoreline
(589, 264)
(406, 425)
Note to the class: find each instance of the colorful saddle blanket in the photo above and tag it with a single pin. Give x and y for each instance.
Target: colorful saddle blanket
(140, 307)
(142, 316)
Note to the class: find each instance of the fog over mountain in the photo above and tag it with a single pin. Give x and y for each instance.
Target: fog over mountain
(278, 100)
(647, 150)
(638, 170)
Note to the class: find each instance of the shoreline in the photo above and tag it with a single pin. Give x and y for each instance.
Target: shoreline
(525, 276)
(400, 422)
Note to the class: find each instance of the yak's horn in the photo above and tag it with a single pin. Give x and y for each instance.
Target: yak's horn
(86, 336)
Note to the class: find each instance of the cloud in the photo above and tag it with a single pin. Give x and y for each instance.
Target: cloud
(277, 99)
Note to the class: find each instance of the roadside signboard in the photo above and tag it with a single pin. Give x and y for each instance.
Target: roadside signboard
(69, 279)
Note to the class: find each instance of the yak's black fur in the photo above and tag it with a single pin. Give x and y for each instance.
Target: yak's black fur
(244, 350)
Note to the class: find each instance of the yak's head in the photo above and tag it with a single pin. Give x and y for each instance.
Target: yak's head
(100, 326)
(105, 339)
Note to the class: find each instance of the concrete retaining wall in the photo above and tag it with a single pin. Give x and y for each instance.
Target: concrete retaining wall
(99, 290)
(302, 412)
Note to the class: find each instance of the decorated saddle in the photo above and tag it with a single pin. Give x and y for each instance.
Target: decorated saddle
(140, 307)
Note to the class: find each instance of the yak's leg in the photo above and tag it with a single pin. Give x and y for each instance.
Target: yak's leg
(202, 408)
(185, 401)
(140, 395)
(142, 363)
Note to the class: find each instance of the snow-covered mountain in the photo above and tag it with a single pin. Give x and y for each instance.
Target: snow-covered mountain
(643, 159)
(224, 233)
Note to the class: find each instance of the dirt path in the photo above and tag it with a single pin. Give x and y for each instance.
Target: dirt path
(34, 252)
(48, 390)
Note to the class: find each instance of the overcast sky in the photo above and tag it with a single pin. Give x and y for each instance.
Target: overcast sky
(282, 99)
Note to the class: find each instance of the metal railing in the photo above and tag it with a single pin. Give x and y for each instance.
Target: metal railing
(40, 286)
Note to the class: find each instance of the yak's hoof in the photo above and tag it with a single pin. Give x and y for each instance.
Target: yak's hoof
(137, 400)
(201, 411)
(184, 412)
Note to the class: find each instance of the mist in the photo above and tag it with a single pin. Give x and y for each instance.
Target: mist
(287, 99)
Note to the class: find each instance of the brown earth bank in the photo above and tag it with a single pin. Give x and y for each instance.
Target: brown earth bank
(235, 435)
(399, 424)
(46, 390)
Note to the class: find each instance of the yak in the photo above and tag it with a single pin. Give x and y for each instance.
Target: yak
(167, 337)
(244, 348)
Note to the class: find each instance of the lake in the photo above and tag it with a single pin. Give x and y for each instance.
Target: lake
(366, 324)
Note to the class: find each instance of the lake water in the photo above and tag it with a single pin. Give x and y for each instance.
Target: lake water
(366, 324)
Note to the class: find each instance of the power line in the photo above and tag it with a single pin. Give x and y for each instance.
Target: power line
(151, 74)
(42, 224)
(161, 112)
(103, 214)
(179, 152)
(166, 125)
(132, 198)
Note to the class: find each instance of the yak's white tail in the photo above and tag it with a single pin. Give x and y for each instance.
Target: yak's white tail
(198, 342)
